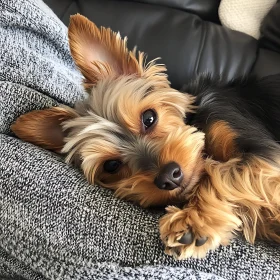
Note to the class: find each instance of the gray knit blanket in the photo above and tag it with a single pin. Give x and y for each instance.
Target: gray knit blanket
(53, 224)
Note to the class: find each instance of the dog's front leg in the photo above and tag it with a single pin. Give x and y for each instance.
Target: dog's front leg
(240, 194)
(207, 220)
(203, 224)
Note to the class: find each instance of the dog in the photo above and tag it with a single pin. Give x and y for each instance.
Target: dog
(210, 153)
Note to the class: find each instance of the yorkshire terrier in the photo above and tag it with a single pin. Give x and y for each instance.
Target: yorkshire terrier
(215, 150)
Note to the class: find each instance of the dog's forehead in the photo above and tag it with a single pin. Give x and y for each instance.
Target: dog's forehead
(122, 100)
(111, 97)
(119, 101)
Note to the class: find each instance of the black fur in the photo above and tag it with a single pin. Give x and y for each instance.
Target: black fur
(251, 107)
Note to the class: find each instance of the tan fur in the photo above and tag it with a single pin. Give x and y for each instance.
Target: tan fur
(234, 196)
(224, 194)
(141, 189)
(253, 186)
(220, 141)
(43, 127)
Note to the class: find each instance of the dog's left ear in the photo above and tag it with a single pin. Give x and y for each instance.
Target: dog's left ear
(99, 52)
(43, 128)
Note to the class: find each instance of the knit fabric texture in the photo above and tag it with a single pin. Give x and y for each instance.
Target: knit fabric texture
(53, 224)
(244, 15)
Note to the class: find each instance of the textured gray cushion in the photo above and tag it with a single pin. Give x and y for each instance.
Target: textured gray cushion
(53, 224)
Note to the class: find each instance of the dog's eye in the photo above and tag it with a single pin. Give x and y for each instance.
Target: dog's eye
(149, 117)
(112, 166)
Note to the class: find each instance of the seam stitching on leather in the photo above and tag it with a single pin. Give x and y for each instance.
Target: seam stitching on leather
(201, 46)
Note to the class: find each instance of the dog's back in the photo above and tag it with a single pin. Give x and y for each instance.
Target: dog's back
(250, 108)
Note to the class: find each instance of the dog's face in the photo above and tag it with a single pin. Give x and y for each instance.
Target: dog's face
(129, 134)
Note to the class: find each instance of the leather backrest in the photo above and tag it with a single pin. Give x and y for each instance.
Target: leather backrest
(270, 29)
(206, 9)
(187, 44)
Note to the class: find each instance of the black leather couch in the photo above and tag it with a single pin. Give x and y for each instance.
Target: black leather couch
(186, 34)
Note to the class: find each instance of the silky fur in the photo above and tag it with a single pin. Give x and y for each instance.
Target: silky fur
(233, 197)
(223, 193)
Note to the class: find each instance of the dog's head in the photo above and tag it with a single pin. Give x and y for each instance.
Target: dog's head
(129, 134)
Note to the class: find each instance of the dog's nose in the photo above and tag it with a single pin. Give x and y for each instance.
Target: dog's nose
(170, 177)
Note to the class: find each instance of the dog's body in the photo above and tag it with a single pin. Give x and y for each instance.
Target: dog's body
(250, 108)
(239, 119)
(213, 148)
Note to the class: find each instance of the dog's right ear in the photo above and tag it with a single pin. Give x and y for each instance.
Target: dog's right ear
(99, 52)
(44, 127)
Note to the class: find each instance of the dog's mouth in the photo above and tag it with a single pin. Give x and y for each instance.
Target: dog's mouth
(179, 195)
(188, 186)
(193, 178)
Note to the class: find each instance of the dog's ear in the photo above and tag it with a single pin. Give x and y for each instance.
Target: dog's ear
(99, 52)
(43, 127)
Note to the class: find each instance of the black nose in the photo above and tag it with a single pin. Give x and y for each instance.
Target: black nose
(170, 177)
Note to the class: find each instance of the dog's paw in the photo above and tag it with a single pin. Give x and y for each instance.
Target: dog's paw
(186, 233)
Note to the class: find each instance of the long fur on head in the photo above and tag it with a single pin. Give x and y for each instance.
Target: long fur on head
(109, 127)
